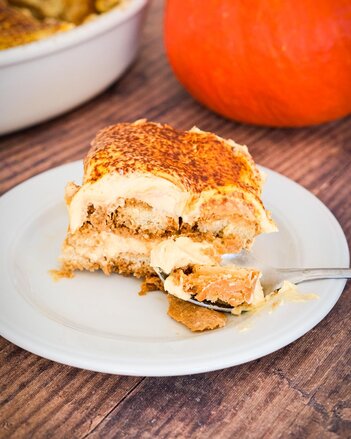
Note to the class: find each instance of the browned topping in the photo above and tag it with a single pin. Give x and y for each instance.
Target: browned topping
(194, 317)
(18, 27)
(196, 161)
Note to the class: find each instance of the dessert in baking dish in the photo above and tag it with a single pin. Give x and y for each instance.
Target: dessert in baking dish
(26, 21)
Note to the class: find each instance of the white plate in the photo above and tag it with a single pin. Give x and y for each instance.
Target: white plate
(101, 323)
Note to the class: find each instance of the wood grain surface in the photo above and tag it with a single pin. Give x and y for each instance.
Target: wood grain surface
(301, 391)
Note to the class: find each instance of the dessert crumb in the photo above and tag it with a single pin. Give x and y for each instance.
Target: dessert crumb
(56, 275)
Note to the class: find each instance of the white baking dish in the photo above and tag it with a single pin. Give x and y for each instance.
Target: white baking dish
(43, 79)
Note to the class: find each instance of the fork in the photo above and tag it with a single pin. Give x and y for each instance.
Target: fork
(272, 278)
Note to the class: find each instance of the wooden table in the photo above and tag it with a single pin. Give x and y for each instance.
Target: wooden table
(300, 391)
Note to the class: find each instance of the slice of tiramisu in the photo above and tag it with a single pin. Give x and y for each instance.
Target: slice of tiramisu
(145, 182)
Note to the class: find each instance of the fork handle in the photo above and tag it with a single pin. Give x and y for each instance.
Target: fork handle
(298, 275)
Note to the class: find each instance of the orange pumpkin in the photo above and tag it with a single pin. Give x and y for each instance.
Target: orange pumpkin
(277, 63)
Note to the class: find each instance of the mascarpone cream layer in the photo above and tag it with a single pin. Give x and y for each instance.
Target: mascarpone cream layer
(159, 193)
(176, 253)
(165, 197)
(176, 289)
(257, 295)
